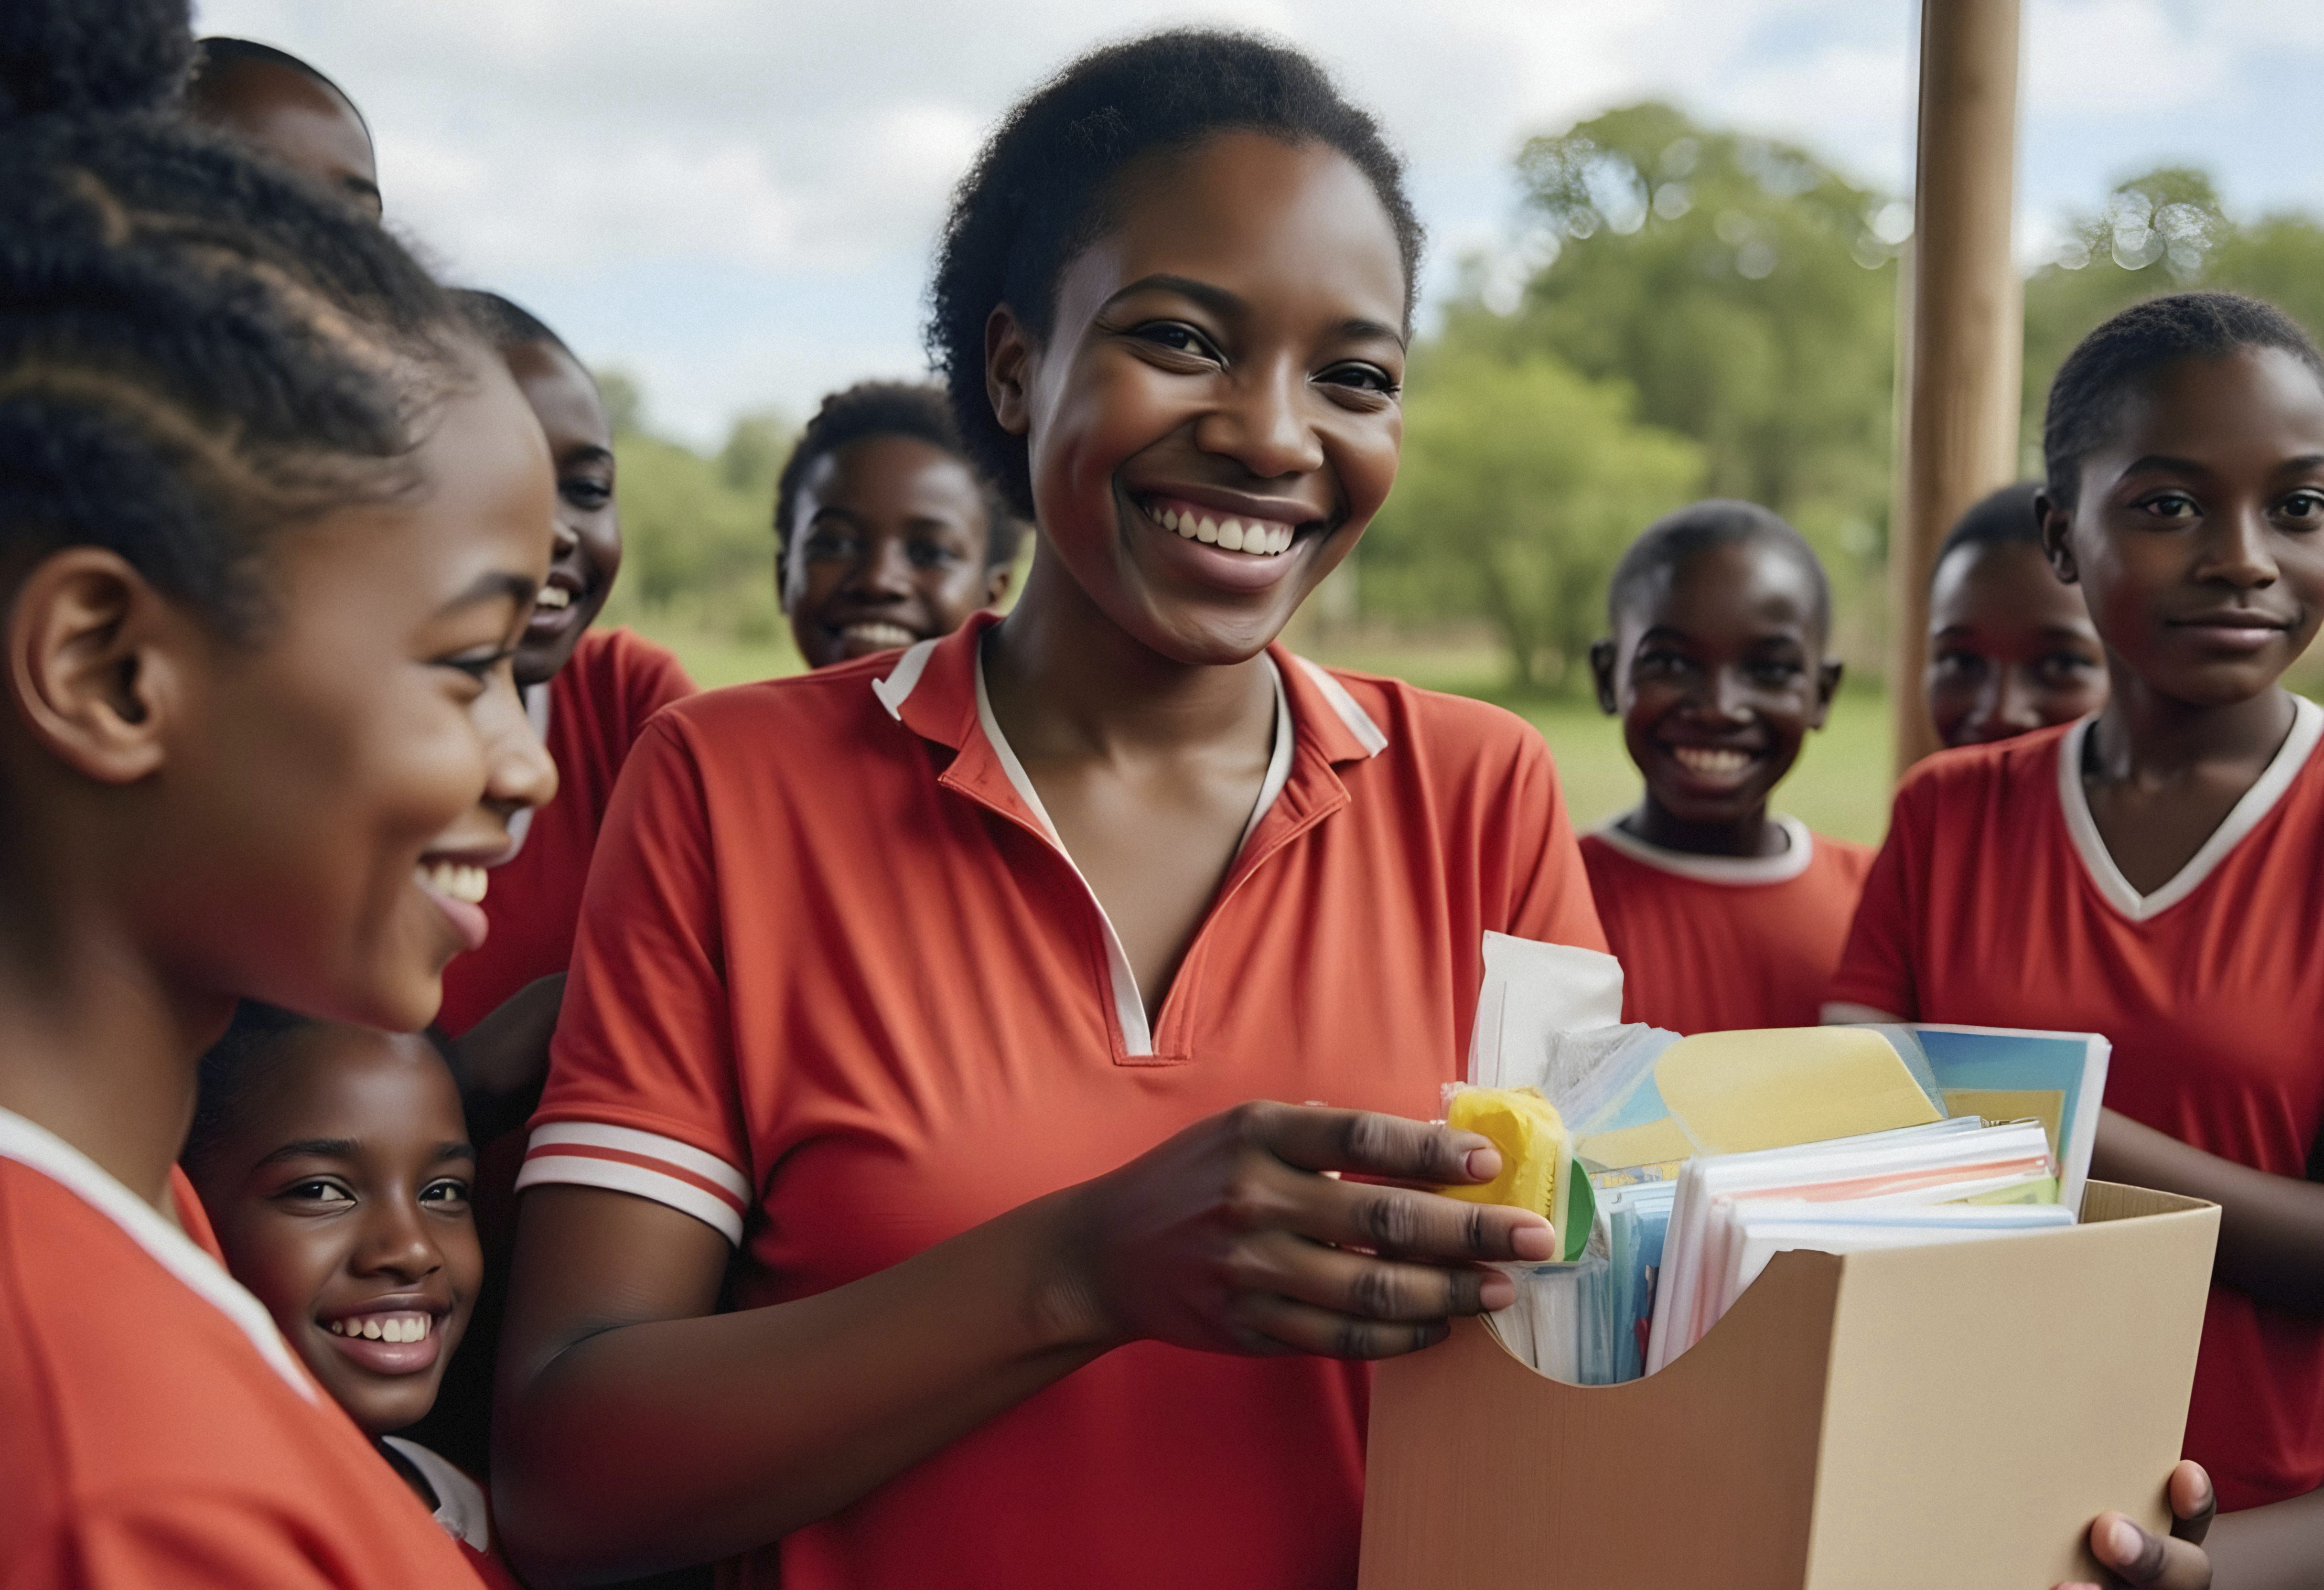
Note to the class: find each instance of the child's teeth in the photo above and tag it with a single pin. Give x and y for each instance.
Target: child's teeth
(1231, 534)
(1207, 531)
(553, 596)
(458, 880)
(1234, 534)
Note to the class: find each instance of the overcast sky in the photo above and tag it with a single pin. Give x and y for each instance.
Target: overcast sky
(735, 200)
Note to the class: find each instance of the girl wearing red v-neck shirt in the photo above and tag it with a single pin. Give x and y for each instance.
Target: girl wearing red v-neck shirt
(2151, 873)
(270, 523)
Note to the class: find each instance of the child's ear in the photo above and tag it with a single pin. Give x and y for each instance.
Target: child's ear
(1828, 674)
(94, 664)
(1601, 672)
(1008, 370)
(997, 581)
(2055, 522)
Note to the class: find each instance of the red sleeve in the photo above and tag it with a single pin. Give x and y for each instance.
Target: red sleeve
(641, 1094)
(211, 1542)
(1549, 895)
(1876, 968)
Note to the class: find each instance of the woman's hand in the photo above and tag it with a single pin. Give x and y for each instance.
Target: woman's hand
(2139, 1558)
(1230, 1238)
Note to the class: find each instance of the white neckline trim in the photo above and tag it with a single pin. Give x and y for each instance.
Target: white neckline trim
(896, 688)
(1129, 1003)
(2258, 801)
(1368, 734)
(459, 1501)
(1782, 867)
(39, 1149)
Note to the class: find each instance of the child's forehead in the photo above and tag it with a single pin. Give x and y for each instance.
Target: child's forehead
(327, 1079)
(1758, 580)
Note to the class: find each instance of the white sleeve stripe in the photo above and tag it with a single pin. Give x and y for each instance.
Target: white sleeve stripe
(653, 1145)
(620, 1176)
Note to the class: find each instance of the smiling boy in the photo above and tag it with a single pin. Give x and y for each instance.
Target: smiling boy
(1723, 913)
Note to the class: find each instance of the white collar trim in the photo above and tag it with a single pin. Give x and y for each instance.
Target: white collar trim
(2258, 801)
(459, 1501)
(1783, 866)
(39, 1149)
(1129, 1003)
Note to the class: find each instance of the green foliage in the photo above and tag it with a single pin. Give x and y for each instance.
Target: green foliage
(2163, 232)
(696, 532)
(1745, 289)
(1522, 482)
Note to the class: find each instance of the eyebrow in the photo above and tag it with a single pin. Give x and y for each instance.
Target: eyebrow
(590, 453)
(501, 582)
(1219, 301)
(317, 1148)
(456, 1151)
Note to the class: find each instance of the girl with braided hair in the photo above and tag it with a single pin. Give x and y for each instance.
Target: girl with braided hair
(270, 523)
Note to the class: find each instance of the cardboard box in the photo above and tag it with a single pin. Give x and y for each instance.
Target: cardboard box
(1946, 1417)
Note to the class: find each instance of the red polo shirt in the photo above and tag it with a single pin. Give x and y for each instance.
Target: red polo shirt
(839, 994)
(1994, 901)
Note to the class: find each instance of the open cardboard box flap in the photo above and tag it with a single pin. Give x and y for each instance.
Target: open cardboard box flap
(1949, 1416)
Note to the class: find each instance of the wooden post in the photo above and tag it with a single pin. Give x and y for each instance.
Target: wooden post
(1963, 322)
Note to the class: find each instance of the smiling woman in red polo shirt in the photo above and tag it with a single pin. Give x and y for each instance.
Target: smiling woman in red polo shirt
(893, 977)
(919, 1002)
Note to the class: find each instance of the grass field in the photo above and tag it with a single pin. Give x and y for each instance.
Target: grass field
(1839, 787)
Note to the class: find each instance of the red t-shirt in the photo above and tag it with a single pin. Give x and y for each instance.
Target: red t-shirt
(1994, 901)
(1712, 943)
(597, 703)
(155, 1428)
(839, 994)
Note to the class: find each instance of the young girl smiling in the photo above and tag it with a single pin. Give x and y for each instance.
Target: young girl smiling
(269, 525)
(2150, 873)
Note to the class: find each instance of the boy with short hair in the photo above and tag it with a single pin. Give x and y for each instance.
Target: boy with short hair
(1723, 913)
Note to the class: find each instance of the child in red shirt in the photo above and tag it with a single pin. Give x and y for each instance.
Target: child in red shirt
(2010, 644)
(2152, 873)
(334, 1168)
(589, 693)
(885, 534)
(271, 521)
(1723, 913)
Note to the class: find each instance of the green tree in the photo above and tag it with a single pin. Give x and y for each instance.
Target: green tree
(1522, 480)
(757, 445)
(1745, 291)
(2162, 232)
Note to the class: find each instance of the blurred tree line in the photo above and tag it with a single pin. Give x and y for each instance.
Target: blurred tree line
(1684, 311)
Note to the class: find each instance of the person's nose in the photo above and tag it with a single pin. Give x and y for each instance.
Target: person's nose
(2014, 700)
(520, 775)
(883, 573)
(396, 1243)
(1264, 423)
(562, 538)
(1729, 698)
(2236, 550)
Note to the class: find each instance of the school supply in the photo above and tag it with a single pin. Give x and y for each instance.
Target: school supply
(1943, 1164)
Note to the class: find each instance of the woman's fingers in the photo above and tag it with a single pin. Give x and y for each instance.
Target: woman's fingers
(1404, 1223)
(1286, 1324)
(1364, 1287)
(1371, 1144)
(2193, 1503)
(2145, 1560)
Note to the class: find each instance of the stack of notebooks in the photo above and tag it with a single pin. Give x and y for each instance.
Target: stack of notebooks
(1676, 1168)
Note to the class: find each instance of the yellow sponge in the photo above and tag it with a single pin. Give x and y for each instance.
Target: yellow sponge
(1535, 1148)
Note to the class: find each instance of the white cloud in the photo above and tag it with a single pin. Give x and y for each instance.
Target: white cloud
(738, 196)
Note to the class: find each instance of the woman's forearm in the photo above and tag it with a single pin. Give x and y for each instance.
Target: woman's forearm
(2271, 1227)
(647, 1445)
